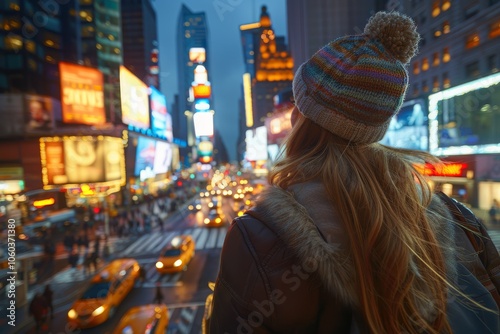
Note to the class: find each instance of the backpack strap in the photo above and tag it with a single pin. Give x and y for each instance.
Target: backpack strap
(487, 268)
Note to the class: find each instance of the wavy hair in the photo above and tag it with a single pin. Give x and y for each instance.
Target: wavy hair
(381, 199)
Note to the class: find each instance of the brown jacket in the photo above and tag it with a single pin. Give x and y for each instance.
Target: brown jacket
(285, 267)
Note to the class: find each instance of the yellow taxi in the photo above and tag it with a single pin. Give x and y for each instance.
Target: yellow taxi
(215, 218)
(176, 255)
(106, 291)
(151, 319)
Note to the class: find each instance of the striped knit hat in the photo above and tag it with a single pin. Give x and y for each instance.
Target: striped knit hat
(354, 85)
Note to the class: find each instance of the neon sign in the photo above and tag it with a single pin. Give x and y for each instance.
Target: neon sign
(454, 169)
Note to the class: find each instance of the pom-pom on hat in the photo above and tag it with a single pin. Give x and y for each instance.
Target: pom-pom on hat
(354, 85)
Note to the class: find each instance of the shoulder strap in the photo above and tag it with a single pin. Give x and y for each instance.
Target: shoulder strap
(489, 271)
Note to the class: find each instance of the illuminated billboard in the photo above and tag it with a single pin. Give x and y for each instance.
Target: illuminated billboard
(82, 94)
(256, 141)
(39, 113)
(278, 126)
(161, 120)
(465, 119)
(163, 157)
(145, 155)
(200, 75)
(197, 55)
(77, 160)
(203, 124)
(202, 91)
(409, 128)
(134, 99)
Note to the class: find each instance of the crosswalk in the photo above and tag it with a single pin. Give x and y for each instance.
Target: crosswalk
(181, 318)
(204, 238)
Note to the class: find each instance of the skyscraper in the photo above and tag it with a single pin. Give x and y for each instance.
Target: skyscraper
(313, 23)
(140, 40)
(192, 32)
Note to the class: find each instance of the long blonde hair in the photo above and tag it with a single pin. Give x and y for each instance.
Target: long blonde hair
(375, 189)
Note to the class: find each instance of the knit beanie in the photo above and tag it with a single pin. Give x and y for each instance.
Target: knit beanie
(354, 85)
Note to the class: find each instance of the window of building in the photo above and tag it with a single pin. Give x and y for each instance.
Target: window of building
(446, 27)
(472, 70)
(446, 5)
(86, 15)
(436, 8)
(50, 59)
(446, 55)
(13, 42)
(446, 80)
(415, 90)
(14, 5)
(493, 63)
(425, 87)
(425, 64)
(472, 41)
(30, 46)
(494, 30)
(435, 59)
(88, 31)
(437, 33)
(416, 68)
(435, 84)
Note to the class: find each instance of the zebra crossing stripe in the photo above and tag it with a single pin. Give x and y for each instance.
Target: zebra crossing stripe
(200, 242)
(137, 243)
(145, 243)
(211, 239)
(222, 237)
(196, 233)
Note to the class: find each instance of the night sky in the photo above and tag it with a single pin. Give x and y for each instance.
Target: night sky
(227, 65)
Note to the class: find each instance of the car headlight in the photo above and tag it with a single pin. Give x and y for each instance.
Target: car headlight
(178, 263)
(206, 221)
(159, 265)
(198, 207)
(98, 311)
(217, 220)
(190, 207)
(72, 314)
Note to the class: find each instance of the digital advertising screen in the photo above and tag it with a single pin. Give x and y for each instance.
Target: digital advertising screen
(145, 154)
(163, 157)
(39, 113)
(77, 160)
(197, 55)
(82, 94)
(134, 99)
(203, 123)
(466, 118)
(159, 112)
(409, 129)
(256, 140)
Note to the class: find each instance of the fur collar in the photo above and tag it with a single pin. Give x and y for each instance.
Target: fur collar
(308, 224)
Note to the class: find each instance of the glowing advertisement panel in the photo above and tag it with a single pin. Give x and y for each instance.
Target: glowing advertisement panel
(161, 120)
(40, 113)
(203, 124)
(466, 119)
(134, 99)
(145, 154)
(163, 157)
(409, 128)
(256, 140)
(76, 160)
(82, 94)
(197, 55)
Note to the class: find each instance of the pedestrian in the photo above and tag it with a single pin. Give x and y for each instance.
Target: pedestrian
(348, 236)
(142, 274)
(69, 241)
(494, 212)
(93, 261)
(158, 295)
(48, 295)
(87, 262)
(83, 242)
(38, 310)
(73, 258)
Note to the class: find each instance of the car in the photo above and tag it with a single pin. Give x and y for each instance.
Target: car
(177, 255)
(106, 291)
(215, 218)
(150, 318)
(195, 206)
